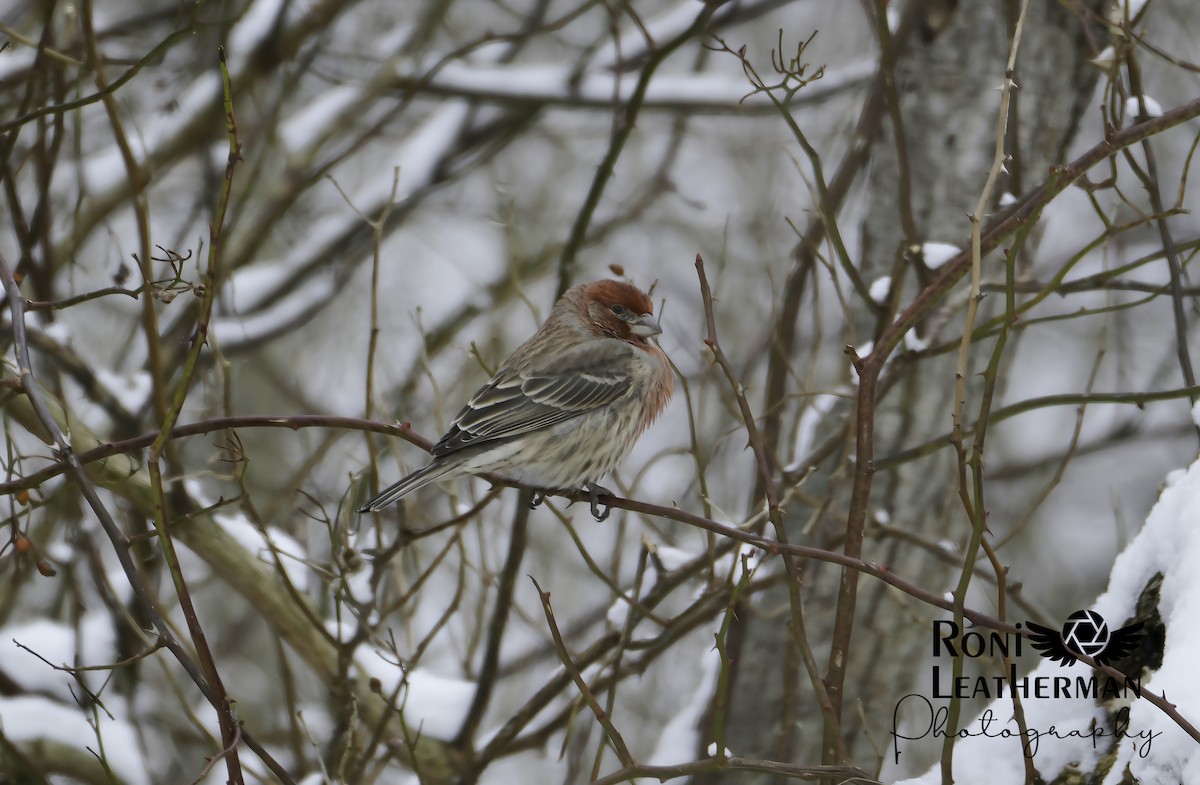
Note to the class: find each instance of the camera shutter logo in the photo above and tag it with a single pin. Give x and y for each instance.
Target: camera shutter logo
(1084, 632)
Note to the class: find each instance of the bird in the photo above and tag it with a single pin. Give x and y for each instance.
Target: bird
(566, 407)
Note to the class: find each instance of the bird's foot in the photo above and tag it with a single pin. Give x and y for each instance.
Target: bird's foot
(594, 493)
(537, 500)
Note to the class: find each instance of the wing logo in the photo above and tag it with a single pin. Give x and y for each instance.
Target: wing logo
(1085, 632)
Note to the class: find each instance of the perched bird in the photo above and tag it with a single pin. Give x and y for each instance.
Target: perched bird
(566, 406)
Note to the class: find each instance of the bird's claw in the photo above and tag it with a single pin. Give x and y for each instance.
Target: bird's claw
(537, 500)
(594, 492)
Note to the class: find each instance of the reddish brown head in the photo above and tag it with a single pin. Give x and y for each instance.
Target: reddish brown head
(618, 310)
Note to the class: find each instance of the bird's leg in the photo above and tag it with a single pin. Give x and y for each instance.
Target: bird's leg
(536, 501)
(594, 492)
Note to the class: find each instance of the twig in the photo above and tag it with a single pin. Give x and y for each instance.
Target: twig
(602, 717)
(377, 226)
(976, 219)
(139, 181)
(766, 465)
(721, 643)
(824, 203)
(228, 721)
(783, 337)
(975, 508)
(1138, 399)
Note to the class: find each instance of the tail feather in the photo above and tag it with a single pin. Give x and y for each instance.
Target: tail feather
(418, 479)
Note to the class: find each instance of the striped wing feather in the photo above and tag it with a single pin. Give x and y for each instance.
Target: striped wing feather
(513, 404)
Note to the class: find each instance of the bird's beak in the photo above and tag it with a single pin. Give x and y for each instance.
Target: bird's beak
(644, 326)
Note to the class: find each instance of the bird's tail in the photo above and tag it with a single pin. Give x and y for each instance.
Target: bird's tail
(418, 479)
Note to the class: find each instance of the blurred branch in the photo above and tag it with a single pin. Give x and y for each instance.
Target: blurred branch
(155, 55)
(695, 94)
(36, 761)
(626, 119)
(1138, 399)
(849, 774)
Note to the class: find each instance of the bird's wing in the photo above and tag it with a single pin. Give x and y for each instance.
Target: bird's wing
(1050, 643)
(515, 403)
(1121, 643)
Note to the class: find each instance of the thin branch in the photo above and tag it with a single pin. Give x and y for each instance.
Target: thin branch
(602, 717)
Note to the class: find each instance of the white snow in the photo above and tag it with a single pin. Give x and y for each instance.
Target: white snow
(251, 286)
(1196, 413)
(58, 644)
(914, 342)
(433, 705)
(551, 83)
(937, 254)
(1123, 10)
(59, 331)
(131, 391)
(806, 430)
(257, 22)
(199, 492)
(313, 120)
(33, 718)
(421, 154)
(1007, 199)
(234, 330)
(665, 26)
(267, 545)
(679, 737)
(881, 287)
(1133, 107)
(1106, 58)
(417, 160)
(673, 558)
(617, 613)
(60, 551)
(105, 170)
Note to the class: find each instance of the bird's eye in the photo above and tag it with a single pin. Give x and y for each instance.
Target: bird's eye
(619, 310)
